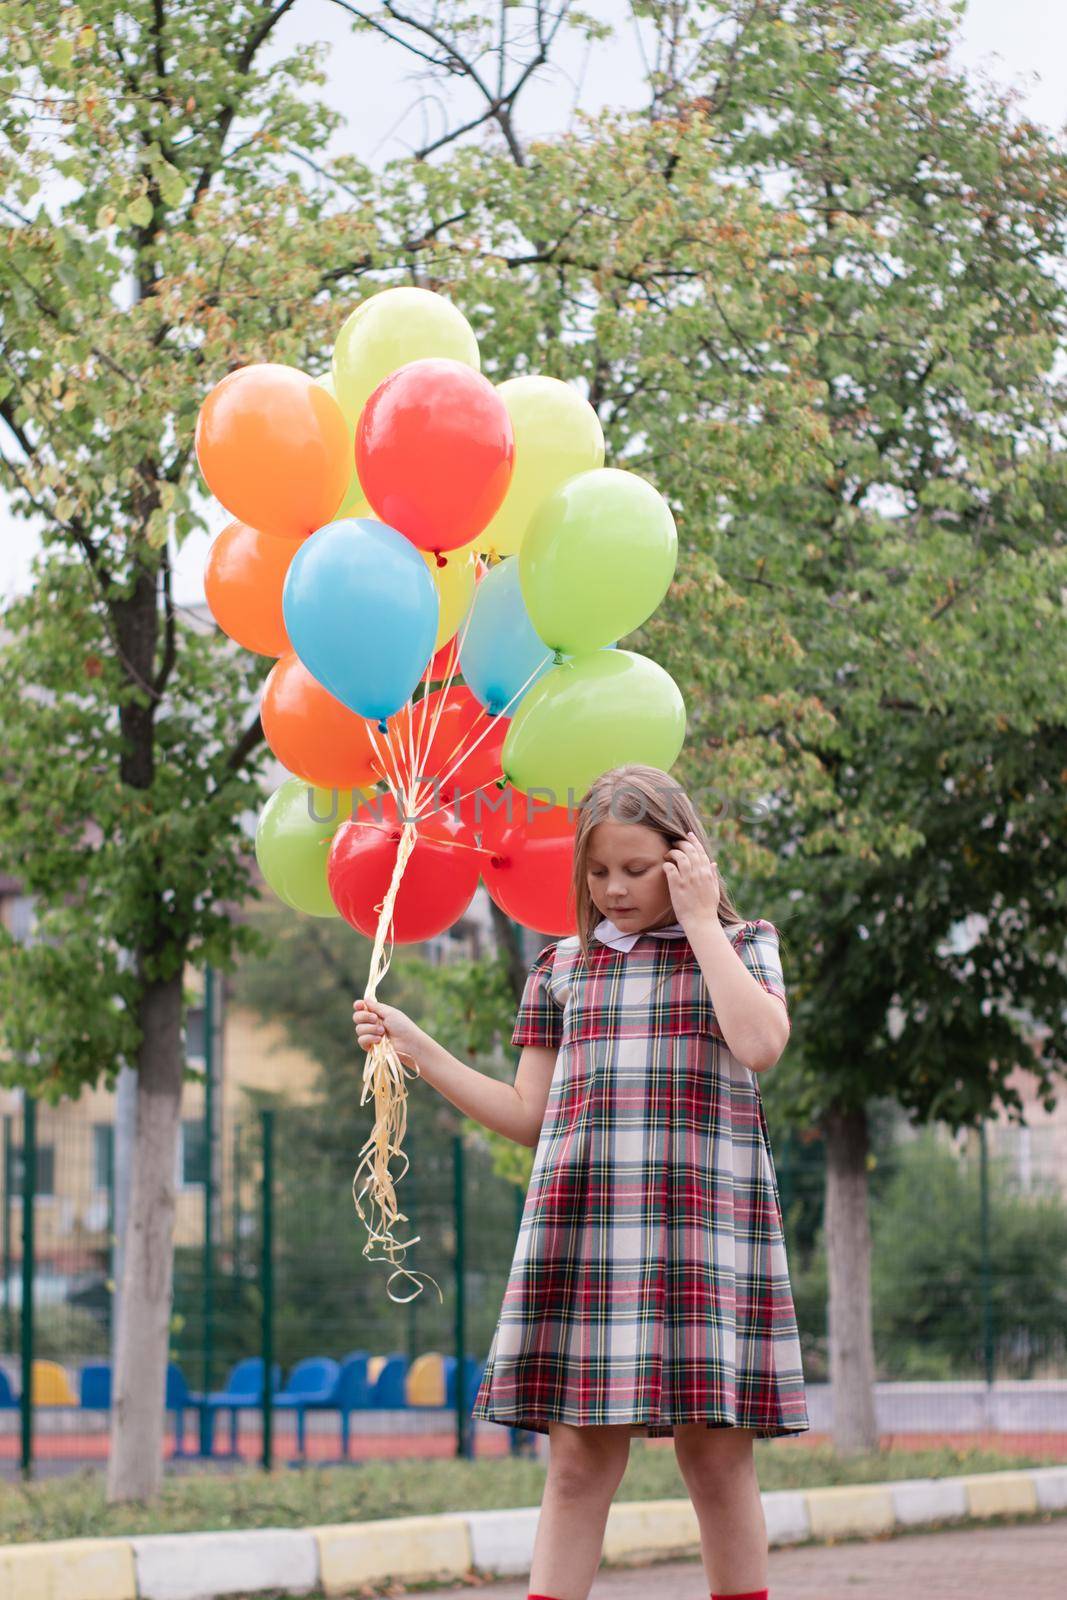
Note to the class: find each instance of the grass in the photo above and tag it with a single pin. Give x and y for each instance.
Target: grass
(74, 1507)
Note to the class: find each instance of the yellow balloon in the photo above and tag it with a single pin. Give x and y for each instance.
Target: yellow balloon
(557, 434)
(389, 330)
(355, 502)
(455, 588)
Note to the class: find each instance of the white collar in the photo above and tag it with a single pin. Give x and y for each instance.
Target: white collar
(609, 934)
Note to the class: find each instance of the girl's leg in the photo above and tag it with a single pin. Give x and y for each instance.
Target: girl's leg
(720, 1474)
(585, 1467)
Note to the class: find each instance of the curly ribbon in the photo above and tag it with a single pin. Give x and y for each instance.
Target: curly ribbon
(384, 1073)
(384, 1076)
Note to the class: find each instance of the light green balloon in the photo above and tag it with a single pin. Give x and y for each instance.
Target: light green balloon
(597, 711)
(597, 559)
(557, 435)
(293, 840)
(355, 502)
(389, 330)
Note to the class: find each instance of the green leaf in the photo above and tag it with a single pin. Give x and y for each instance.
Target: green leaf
(172, 185)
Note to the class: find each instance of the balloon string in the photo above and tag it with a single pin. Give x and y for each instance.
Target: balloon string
(389, 775)
(421, 803)
(441, 844)
(453, 670)
(463, 754)
(384, 1075)
(409, 731)
(426, 680)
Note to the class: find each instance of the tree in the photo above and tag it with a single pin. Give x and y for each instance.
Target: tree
(865, 258)
(917, 577)
(156, 234)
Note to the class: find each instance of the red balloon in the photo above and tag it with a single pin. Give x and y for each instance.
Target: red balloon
(462, 721)
(445, 661)
(529, 872)
(439, 879)
(434, 452)
(243, 579)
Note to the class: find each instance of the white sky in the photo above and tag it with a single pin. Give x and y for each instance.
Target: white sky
(1022, 42)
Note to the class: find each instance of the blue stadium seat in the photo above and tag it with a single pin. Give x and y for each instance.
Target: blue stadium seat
(312, 1385)
(390, 1387)
(243, 1391)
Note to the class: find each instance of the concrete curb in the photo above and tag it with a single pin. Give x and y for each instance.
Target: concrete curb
(337, 1560)
(170, 1566)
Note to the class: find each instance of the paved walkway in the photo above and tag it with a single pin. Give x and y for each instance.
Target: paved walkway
(970, 1564)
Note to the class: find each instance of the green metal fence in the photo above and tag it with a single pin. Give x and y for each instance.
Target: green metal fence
(969, 1278)
(269, 1265)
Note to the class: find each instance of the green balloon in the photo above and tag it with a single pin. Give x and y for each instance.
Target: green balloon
(598, 557)
(292, 843)
(589, 714)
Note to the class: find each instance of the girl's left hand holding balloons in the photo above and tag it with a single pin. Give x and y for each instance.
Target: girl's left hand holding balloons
(375, 1021)
(693, 882)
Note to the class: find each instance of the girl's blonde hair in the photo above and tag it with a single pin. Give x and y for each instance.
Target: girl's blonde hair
(635, 794)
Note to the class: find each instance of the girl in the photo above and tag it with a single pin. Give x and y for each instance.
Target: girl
(649, 1291)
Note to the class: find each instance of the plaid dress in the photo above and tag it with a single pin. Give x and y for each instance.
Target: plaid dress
(649, 1283)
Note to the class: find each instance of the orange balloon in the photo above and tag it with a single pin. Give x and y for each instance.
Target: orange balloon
(275, 449)
(313, 735)
(243, 579)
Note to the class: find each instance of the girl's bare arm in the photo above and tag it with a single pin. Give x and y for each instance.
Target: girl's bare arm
(514, 1109)
(755, 1023)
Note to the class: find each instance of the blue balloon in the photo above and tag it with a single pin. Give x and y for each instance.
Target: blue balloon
(501, 649)
(360, 609)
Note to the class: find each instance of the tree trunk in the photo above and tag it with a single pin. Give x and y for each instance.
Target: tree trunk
(509, 945)
(122, 1166)
(135, 1466)
(848, 1251)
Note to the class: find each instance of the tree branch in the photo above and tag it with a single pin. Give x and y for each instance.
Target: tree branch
(448, 58)
(75, 527)
(252, 736)
(257, 37)
(170, 645)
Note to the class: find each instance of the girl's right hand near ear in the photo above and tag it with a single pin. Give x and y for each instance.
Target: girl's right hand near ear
(374, 1021)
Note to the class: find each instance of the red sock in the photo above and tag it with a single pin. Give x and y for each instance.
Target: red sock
(751, 1594)
(540, 1597)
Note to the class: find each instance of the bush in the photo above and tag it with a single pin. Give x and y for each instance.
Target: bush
(927, 1270)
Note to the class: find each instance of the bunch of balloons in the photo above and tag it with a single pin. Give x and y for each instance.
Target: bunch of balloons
(443, 569)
